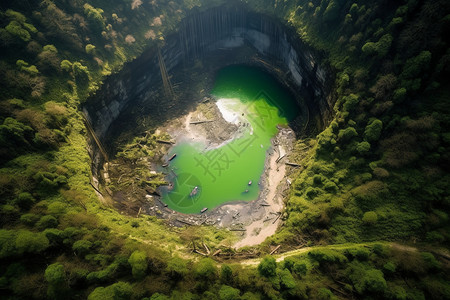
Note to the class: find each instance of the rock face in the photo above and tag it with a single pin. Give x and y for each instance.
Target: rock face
(202, 33)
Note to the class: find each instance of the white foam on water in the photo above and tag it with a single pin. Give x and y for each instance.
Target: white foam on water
(229, 108)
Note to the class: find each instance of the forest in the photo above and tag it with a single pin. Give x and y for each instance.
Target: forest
(367, 216)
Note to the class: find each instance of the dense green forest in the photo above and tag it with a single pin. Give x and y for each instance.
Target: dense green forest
(370, 207)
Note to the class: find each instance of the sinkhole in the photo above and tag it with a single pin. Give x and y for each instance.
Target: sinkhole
(206, 121)
(204, 176)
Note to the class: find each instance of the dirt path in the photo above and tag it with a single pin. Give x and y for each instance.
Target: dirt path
(257, 231)
(281, 257)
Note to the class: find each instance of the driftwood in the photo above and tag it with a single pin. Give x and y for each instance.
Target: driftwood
(201, 253)
(280, 158)
(206, 248)
(279, 215)
(217, 252)
(274, 250)
(292, 164)
(165, 142)
(238, 229)
(200, 122)
(139, 212)
(96, 189)
(182, 221)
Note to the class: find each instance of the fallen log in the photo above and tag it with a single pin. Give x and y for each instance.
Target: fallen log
(182, 221)
(276, 219)
(165, 142)
(280, 158)
(292, 164)
(96, 189)
(217, 252)
(238, 229)
(274, 250)
(201, 253)
(206, 248)
(200, 122)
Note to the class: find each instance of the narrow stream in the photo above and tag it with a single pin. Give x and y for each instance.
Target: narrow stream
(205, 177)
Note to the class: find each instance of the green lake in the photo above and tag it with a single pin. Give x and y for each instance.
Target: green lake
(207, 178)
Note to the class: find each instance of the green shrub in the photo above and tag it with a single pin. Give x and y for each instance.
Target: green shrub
(177, 267)
(47, 222)
(267, 267)
(366, 279)
(347, 133)
(389, 267)
(373, 130)
(363, 147)
(29, 219)
(25, 200)
(117, 291)
(90, 49)
(370, 218)
(286, 279)
(30, 242)
(228, 293)
(414, 66)
(330, 186)
(56, 278)
(138, 262)
(206, 269)
(82, 247)
(226, 273)
(327, 256)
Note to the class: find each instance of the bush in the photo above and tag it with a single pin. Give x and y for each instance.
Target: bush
(267, 267)
(228, 293)
(327, 256)
(138, 262)
(29, 219)
(47, 222)
(389, 267)
(56, 277)
(30, 242)
(347, 133)
(226, 273)
(370, 218)
(367, 279)
(286, 279)
(373, 130)
(206, 269)
(415, 66)
(177, 267)
(66, 65)
(350, 102)
(82, 247)
(117, 291)
(90, 49)
(25, 200)
(363, 147)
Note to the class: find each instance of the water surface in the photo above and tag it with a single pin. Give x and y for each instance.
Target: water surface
(207, 178)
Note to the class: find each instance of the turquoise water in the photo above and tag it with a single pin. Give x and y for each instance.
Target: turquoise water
(207, 178)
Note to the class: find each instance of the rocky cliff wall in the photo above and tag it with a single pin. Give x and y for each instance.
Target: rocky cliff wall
(204, 32)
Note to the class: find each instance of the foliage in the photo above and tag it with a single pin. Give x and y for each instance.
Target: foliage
(390, 63)
(116, 291)
(228, 293)
(370, 217)
(138, 262)
(267, 266)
